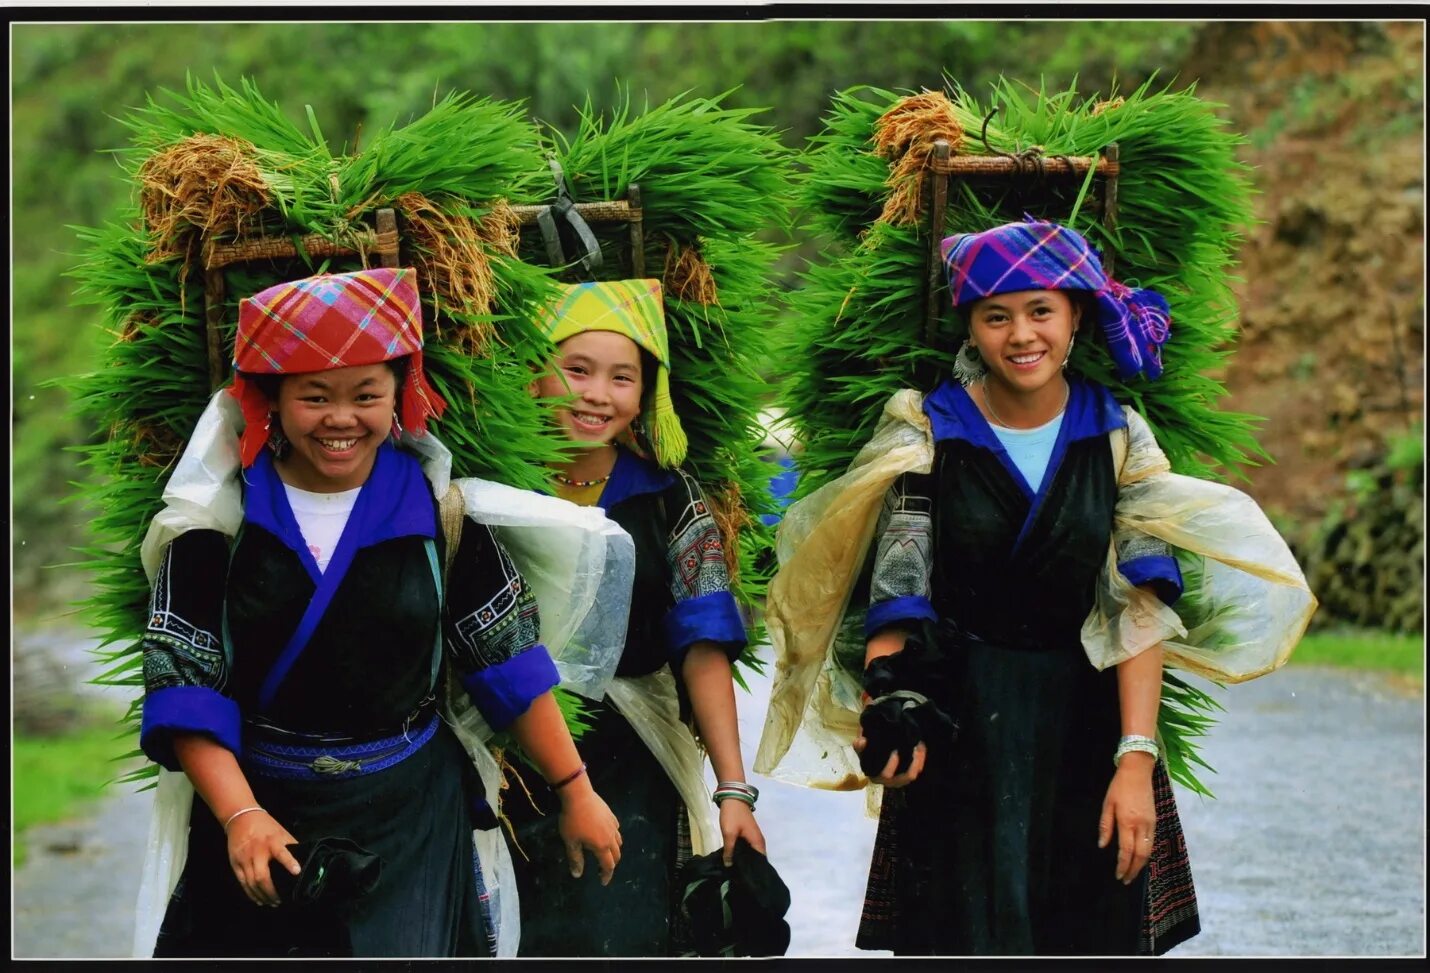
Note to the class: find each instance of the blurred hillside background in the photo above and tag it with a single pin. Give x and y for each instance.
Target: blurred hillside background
(1332, 289)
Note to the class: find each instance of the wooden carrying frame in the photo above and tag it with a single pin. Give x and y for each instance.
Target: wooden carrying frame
(383, 243)
(626, 211)
(944, 167)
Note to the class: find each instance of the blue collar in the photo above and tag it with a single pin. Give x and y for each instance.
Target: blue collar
(396, 501)
(632, 476)
(1091, 411)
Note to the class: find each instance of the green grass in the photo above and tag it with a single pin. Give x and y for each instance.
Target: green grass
(1403, 655)
(57, 777)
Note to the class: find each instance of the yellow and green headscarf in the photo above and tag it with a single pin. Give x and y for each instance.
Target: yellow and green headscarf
(636, 309)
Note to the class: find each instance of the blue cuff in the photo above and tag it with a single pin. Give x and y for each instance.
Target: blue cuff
(708, 618)
(905, 608)
(506, 690)
(187, 709)
(1158, 570)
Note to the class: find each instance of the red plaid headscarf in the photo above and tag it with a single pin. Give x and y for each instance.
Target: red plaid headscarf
(330, 321)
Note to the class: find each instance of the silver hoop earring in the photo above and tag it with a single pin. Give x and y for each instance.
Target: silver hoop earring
(1068, 357)
(968, 364)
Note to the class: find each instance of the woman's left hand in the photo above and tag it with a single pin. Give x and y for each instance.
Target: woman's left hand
(737, 820)
(1130, 808)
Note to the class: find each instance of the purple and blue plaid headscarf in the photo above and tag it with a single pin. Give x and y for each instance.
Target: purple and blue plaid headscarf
(1036, 255)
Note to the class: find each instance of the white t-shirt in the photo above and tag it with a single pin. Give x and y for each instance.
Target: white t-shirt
(321, 517)
(1030, 449)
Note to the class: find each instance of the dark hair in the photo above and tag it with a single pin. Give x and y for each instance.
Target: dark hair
(270, 384)
(648, 369)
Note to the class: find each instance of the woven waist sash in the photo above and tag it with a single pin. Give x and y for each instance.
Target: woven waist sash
(298, 757)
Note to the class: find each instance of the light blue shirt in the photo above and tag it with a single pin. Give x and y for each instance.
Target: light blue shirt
(1030, 449)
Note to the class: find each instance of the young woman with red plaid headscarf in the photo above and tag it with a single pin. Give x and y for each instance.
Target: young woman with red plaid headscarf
(293, 672)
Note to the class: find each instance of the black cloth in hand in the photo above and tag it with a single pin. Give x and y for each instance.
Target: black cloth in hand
(735, 911)
(899, 716)
(336, 872)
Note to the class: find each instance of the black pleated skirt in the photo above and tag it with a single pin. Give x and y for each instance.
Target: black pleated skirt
(415, 815)
(637, 915)
(993, 850)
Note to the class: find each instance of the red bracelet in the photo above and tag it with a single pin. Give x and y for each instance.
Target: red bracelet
(568, 779)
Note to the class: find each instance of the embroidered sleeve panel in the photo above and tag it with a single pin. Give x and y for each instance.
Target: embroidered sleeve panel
(182, 644)
(1142, 558)
(491, 611)
(694, 553)
(903, 557)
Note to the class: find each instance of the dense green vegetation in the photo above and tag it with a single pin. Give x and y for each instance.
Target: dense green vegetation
(71, 83)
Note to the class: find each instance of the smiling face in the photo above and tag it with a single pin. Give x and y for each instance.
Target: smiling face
(335, 421)
(603, 370)
(1024, 336)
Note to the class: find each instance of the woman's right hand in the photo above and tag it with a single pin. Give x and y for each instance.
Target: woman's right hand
(890, 775)
(587, 824)
(254, 841)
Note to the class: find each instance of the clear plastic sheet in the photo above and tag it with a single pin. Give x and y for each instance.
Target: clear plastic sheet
(165, 850)
(1245, 603)
(497, 872)
(822, 544)
(580, 566)
(1244, 607)
(650, 704)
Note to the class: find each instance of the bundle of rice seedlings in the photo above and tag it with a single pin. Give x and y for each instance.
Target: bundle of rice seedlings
(714, 185)
(221, 165)
(859, 318)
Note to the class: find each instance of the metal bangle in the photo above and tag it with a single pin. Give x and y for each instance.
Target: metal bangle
(738, 785)
(238, 813)
(736, 795)
(1135, 742)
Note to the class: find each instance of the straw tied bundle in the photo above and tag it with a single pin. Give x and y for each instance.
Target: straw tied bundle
(207, 195)
(216, 169)
(714, 186)
(859, 320)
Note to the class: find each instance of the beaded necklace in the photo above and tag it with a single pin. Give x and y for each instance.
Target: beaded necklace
(580, 483)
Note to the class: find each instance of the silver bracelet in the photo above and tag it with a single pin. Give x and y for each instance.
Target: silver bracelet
(237, 813)
(1135, 742)
(737, 789)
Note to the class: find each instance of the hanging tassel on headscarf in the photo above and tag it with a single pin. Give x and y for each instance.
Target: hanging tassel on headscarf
(666, 434)
(636, 309)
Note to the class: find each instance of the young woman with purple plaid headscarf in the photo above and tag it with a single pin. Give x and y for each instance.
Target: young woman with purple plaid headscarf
(300, 648)
(1021, 814)
(1001, 571)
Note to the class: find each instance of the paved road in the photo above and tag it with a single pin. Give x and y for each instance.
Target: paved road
(1315, 845)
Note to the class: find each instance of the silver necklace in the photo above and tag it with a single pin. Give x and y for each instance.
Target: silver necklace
(1067, 394)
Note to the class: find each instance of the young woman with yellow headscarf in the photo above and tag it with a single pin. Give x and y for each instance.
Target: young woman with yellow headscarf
(610, 387)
